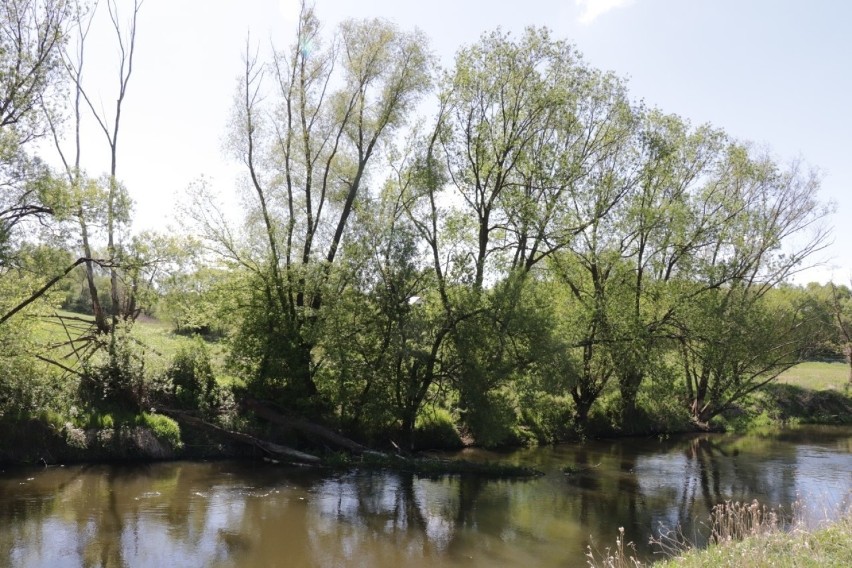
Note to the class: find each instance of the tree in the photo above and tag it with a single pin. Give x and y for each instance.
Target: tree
(737, 342)
(384, 334)
(524, 131)
(733, 341)
(32, 34)
(307, 156)
(117, 203)
(841, 310)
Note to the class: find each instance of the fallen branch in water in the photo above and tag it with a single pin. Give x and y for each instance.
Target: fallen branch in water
(285, 453)
(310, 430)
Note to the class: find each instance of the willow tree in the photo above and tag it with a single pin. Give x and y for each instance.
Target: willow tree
(32, 35)
(524, 130)
(307, 128)
(655, 234)
(733, 340)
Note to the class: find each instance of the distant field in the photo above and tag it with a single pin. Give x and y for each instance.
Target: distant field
(816, 375)
(156, 338)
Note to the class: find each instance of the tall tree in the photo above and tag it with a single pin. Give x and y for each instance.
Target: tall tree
(32, 34)
(525, 133)
(743, 342)
(841, 304)
(85, 193)
(125, 36)
(307, 144)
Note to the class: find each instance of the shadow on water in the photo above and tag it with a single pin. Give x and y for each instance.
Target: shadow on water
(240, 514)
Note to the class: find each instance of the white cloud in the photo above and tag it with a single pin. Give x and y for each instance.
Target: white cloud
(591, 9)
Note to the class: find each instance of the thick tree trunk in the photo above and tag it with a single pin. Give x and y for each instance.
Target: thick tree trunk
(629, 387)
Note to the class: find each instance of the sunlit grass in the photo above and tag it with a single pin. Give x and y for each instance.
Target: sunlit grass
(830, 546)
(155, 339)
(816, 375)
(744, 535)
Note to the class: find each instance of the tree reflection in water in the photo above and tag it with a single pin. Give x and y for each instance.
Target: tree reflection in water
(238, 514)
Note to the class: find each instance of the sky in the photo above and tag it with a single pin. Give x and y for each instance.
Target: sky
(774, 72)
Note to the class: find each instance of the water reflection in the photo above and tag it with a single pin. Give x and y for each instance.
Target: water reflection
(238, 514)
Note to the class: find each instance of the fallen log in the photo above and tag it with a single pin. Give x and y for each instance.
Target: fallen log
(275, 450)
(311, 430)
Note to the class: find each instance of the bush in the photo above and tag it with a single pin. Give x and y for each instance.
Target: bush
(26, 384)
(118, 383)
(164, 428)
(190, 378)
(547, 417)
(493, 421)
(436, 429)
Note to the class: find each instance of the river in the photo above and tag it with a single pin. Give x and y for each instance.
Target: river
(255, 514)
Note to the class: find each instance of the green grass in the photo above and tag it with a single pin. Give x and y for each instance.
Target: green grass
(815, 375)
(744, 535)
(155, 338)
(830, 546)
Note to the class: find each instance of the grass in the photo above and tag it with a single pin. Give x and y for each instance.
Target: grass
(829, 546)
(817, 375)
(156, 338)
(745, 535)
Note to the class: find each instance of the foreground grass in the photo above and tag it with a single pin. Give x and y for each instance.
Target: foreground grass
(830, 546)
(744, 534)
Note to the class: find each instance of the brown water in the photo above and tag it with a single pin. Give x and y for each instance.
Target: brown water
(254, 514)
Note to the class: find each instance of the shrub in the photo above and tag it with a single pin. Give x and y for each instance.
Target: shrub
(436, 429)
(163, 427)
(493, 421)
(190, 377)
(547, 417)
(119, 381)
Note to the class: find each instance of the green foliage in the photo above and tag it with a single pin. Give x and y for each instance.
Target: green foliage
(548, 417)
(548, 258)
(190, 378)
(436, 429)
(28, 386)
(196, 302)
(163, 427)
(117, 380)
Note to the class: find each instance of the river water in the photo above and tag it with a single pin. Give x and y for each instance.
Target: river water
(255, 514)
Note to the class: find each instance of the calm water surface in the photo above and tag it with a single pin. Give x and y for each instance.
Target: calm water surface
(247, 514)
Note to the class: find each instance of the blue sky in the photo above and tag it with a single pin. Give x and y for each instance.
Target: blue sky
(776, 72)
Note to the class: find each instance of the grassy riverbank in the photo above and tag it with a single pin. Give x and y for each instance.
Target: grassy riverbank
(744, 535)
(812, 392)
(828, 546)
(56, 430)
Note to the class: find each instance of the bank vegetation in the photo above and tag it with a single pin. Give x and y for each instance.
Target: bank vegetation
(508, 250)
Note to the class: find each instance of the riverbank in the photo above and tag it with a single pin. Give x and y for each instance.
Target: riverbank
(743, 535)
(153, 437)
(810, 393)
(828, 546)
